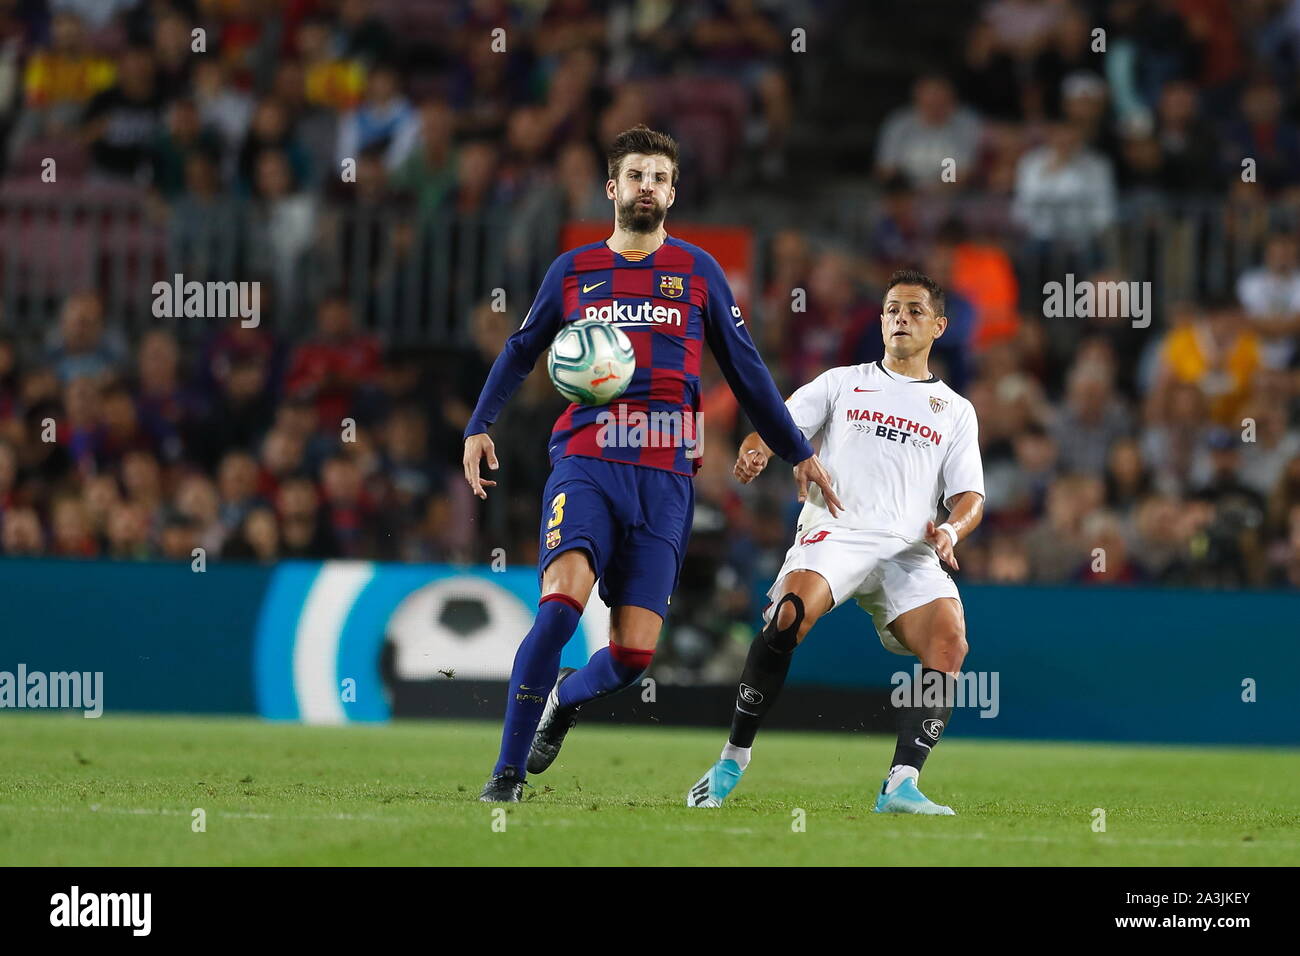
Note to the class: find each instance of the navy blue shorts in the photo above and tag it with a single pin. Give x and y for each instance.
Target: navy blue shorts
(633, 521)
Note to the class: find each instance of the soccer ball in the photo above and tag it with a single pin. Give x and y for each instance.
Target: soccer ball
(591, 362)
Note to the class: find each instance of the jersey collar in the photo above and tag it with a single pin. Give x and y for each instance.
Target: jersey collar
(899, 378)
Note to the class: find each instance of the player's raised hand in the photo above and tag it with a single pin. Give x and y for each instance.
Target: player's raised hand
(812, 470)
(941, 541)
(476, 447)
(751, 461)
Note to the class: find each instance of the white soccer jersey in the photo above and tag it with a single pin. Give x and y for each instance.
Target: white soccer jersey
(895, 447)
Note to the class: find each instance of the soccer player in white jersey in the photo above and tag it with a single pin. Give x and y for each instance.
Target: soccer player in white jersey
(898, 441)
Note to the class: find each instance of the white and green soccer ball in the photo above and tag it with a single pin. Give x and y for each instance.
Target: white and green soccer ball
(591, 362)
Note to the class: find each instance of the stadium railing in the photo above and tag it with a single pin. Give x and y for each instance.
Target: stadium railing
(414, 278)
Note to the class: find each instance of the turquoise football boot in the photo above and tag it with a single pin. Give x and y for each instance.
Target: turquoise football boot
(711, 789)
(907, 799)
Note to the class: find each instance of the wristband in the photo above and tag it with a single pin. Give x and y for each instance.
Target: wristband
(952, 532)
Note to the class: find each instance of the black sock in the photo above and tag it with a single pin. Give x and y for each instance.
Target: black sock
(764, 674)
(921, 726)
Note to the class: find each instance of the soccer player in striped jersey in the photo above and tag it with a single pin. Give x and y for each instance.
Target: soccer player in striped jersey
(618, 512)
(900, 441)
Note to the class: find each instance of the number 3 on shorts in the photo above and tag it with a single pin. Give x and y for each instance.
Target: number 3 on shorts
(557, 511)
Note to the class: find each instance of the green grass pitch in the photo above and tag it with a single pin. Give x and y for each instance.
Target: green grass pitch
(121, 790)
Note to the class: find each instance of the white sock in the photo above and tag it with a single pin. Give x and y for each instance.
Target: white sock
(897, 774)
(738, 754)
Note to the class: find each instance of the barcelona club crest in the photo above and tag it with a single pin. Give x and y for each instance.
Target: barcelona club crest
(671, 286)
(938, 404)
(552, 539)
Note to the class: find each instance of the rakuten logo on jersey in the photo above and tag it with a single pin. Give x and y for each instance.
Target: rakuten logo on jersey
(644, 311)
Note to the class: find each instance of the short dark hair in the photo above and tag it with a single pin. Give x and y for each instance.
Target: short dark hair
(641, 139)
(913, 277)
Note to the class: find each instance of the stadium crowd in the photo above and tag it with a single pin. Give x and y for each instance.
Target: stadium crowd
(1174, 447)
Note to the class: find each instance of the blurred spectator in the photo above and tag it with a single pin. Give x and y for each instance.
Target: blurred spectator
(361, 33)
(312, 126)
(1176, 423)
(164, 407)
(1065, 191)
(1091, 422)
(1128, 480)
(1270, 295)
(983, 274)
(179, 537)
(237, 486)
(270, 131)
(123, 123)
(428, 171)
(350, 512)
(1215, 351)
(917, 140)
(1264, 460)
(897, 239)
(1057, 544)
(1017, 487)
(1084, 106)
(198, 502)
(1189, 154)
(1262, 134)
(21, 534)
(330, 80)
(58, 81)
(128, 533)
(240, 415)
(335, 365)
(222, 107)
(305, 533)
(173, 50)
(1108, 561)
(840, 326)
(258, 538)
(386, 120)
(71, 531)
(285, 217)
(183, 137)
(1237, 522)
(81, 347)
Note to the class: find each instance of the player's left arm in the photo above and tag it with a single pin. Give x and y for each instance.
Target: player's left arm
(966, 511)
(962, 473)
(511, 367)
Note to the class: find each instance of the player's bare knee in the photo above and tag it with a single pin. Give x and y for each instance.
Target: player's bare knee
(948, 648)
(570, 573)
(786, 615)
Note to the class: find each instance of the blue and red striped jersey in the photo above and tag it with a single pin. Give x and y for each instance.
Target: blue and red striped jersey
(669, 303)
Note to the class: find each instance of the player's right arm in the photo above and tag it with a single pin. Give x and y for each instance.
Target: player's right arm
(511, 367)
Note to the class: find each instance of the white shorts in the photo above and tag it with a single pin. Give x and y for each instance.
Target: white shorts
(888, 575)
